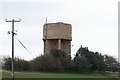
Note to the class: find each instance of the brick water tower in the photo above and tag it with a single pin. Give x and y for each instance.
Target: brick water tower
(57, 35)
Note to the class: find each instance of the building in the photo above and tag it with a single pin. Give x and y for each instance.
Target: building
(57, 35)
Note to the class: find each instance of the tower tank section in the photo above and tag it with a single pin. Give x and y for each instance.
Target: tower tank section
(57, 35)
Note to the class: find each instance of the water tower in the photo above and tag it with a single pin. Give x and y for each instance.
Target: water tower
(57, 35)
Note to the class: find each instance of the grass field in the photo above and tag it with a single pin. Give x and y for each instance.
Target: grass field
(7, 74)
(0, 73)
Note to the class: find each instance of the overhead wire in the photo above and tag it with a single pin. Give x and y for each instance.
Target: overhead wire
(24, 47)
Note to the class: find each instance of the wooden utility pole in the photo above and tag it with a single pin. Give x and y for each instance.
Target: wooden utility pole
(13, 44)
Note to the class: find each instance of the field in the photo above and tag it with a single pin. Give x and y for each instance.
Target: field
(7, 74)
(0, 73)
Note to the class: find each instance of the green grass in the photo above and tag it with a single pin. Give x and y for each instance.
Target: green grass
(7, 74)
(0, 73)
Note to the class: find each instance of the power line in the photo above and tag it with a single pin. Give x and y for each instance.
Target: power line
(24, 47)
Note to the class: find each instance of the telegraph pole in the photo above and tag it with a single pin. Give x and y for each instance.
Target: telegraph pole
(13, 44)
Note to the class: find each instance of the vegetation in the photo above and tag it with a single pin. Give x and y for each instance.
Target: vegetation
(85, 61)
(19, 64)
(89, 61)
(23, 74)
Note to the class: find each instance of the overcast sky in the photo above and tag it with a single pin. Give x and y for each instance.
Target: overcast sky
(94, 24)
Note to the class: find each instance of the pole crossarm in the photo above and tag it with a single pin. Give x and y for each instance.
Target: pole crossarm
(13, 20)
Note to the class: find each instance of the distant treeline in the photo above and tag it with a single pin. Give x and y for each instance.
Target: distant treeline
(85, 61)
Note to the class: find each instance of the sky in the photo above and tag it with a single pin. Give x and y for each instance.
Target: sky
(94, 25)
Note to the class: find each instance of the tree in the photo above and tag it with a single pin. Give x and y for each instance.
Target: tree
(111, 63)
(97, 61)
(81, 64)
(56, 53)
(46, 63)
(19, 64)
(88, 60)
(59, 61)
(7, 63)
(63, 58)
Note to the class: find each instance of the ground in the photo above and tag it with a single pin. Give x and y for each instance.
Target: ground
(47, 76)
(0, 73)
(7, 74)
